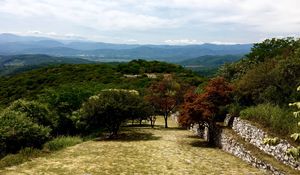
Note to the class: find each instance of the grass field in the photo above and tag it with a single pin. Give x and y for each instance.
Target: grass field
(140, 150)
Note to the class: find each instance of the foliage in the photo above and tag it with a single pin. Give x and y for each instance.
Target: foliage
(211, 60)
(164, 96)
(269, 49)
(142, 66)
(22, 156)
(14, 64)
(234, 109)
(278, 120)
(64, 100)
(270, 73)
(271, 141)
(62, 142)
(108, 109)
(294, 152)
(36, 111)
(91, 77)
(205, 108)
(270, 82)
(17, 131)
(208, 65)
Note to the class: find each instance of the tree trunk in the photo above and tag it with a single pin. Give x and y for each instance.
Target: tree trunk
(211, 133)
(166, 120)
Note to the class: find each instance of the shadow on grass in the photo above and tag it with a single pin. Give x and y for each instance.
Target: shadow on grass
(130, 137)
(193, 136)
(137, 125)
(200, 143)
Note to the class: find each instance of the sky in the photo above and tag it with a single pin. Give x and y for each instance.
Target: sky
(153, 21)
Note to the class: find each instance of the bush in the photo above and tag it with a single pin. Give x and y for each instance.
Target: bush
(22, 156)
(279, 120)
(18, 131)
(62, 142)
(38, 112)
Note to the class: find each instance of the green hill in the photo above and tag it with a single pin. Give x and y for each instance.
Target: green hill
(18, 63)
(90, 77)
(209, 64)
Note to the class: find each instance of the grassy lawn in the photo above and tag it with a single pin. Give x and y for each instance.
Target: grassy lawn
(140, 150)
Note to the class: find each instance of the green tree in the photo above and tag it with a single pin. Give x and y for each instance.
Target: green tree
(109, 109)
(36, 111)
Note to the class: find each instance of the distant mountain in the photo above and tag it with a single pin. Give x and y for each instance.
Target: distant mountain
(7, 37)
(19, 63)
(211, 60)
(13, 44)
(209, 64)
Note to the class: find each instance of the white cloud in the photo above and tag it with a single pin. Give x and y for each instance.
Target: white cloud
(147, 19)
(132, 40)
(182, 41)
(52, 35)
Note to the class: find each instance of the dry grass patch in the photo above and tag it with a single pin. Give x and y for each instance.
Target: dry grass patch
(154, 151)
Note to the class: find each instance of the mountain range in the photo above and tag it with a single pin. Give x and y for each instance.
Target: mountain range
(11, 44)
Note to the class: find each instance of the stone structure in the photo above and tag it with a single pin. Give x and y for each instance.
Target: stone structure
(256, 136)
(201, 132)
(228, 143)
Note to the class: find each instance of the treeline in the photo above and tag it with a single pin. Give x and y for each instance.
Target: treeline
(258, 88)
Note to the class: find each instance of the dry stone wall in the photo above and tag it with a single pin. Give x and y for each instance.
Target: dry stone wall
(256, 136)
(229, 144)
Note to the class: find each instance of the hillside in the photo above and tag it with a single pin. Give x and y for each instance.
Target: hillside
(19, 63)
(210, 60)
(209, 64)
(93, 77)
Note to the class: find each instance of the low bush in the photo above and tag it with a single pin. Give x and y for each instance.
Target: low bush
(18, 131)
(62, 142)
(278, 120)
(16, 159)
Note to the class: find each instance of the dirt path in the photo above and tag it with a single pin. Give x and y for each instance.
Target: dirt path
(142, 151)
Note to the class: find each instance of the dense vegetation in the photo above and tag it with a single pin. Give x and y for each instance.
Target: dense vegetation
(14, 64)
(264, 82)
(79, 99)
(208, 65)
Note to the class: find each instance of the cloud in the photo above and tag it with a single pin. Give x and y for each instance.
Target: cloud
(54, 35)
(154, 20)
(132, 40)
(182, 41)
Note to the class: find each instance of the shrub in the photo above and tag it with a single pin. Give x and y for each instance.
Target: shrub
(23, 155)
(18, 131)
(62, 142)
(38, 112)
(271, 141)
(277, 119)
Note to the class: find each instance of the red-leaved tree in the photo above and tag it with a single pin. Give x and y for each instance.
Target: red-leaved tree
(203, 108)
(164, 96)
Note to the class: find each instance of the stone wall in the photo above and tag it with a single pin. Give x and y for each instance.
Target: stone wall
(201, 132)
(255, 136)
(226, 142)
